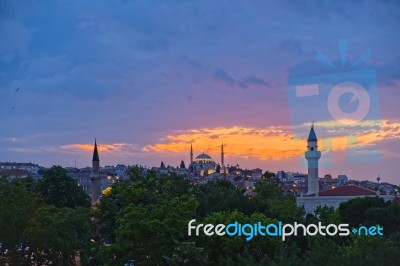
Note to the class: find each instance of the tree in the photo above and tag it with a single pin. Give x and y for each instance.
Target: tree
(218, 169)
(182, 165)
(322, 251)
(59, 189)
(327, 215)
(57, 235)
(146, 233)
(367, 250)
(269, 189)
(388, 217)
(187, 253)
(370, 211)
(220, 195)
(271, 200)
(144, 188)
(162, 166)
(17, 205)
(32, 232)
(269, 175)
(145, 218)
(223, 250)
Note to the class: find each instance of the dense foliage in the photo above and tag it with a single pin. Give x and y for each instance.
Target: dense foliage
(43, 222)
(144, 220)
(58, 189)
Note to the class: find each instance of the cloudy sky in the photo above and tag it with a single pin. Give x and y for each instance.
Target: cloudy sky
(147, 78)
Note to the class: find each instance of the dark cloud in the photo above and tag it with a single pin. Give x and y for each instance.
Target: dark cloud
(253, 81)
(222, 75)
(244, 83)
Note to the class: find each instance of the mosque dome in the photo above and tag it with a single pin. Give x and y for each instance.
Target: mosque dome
(203, 156)
(203, 159)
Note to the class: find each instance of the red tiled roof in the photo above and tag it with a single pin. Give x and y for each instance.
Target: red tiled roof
(396, 200)
(347, 190)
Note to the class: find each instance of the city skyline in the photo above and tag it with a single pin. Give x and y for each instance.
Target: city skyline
(148, 79)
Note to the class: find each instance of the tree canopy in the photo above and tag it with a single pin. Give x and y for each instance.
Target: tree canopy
(59, 189)
(35, 231)
(143, 220)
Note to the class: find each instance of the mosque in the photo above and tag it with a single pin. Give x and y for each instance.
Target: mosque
(330, 197)
(204, 165)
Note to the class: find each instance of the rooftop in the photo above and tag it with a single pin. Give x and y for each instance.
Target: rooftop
(347, 190)
(203, 156)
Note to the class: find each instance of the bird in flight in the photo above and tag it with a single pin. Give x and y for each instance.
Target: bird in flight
(13, 108)
(17, 90)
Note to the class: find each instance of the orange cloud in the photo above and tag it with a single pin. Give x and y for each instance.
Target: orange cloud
(275, 142)
(389, 130)
(267, 143)
(101, 147)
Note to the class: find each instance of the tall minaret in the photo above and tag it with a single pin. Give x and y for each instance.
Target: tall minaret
(222, 156)
(95, 160)
(95, 193)
(191, 154)
(312, 155)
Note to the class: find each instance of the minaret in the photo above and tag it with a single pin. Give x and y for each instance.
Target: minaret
(191, 154)
(312, 155)
(95, 178)
(223, 169)
(95, 160)
(222, 155)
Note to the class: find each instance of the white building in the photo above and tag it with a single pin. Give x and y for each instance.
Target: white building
(333, 196)
(30, 167)
(312, 155)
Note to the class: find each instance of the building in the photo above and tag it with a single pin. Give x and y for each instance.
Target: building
(95, 177)
(204, 165)
(299, 178)
(333, 196)
(312, 155)
(18, 173)
(94, 180)
(29, 167)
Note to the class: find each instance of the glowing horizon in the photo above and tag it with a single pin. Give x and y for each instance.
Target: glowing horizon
(265, 143)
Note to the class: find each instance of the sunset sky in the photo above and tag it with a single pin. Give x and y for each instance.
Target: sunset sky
(148, 78)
